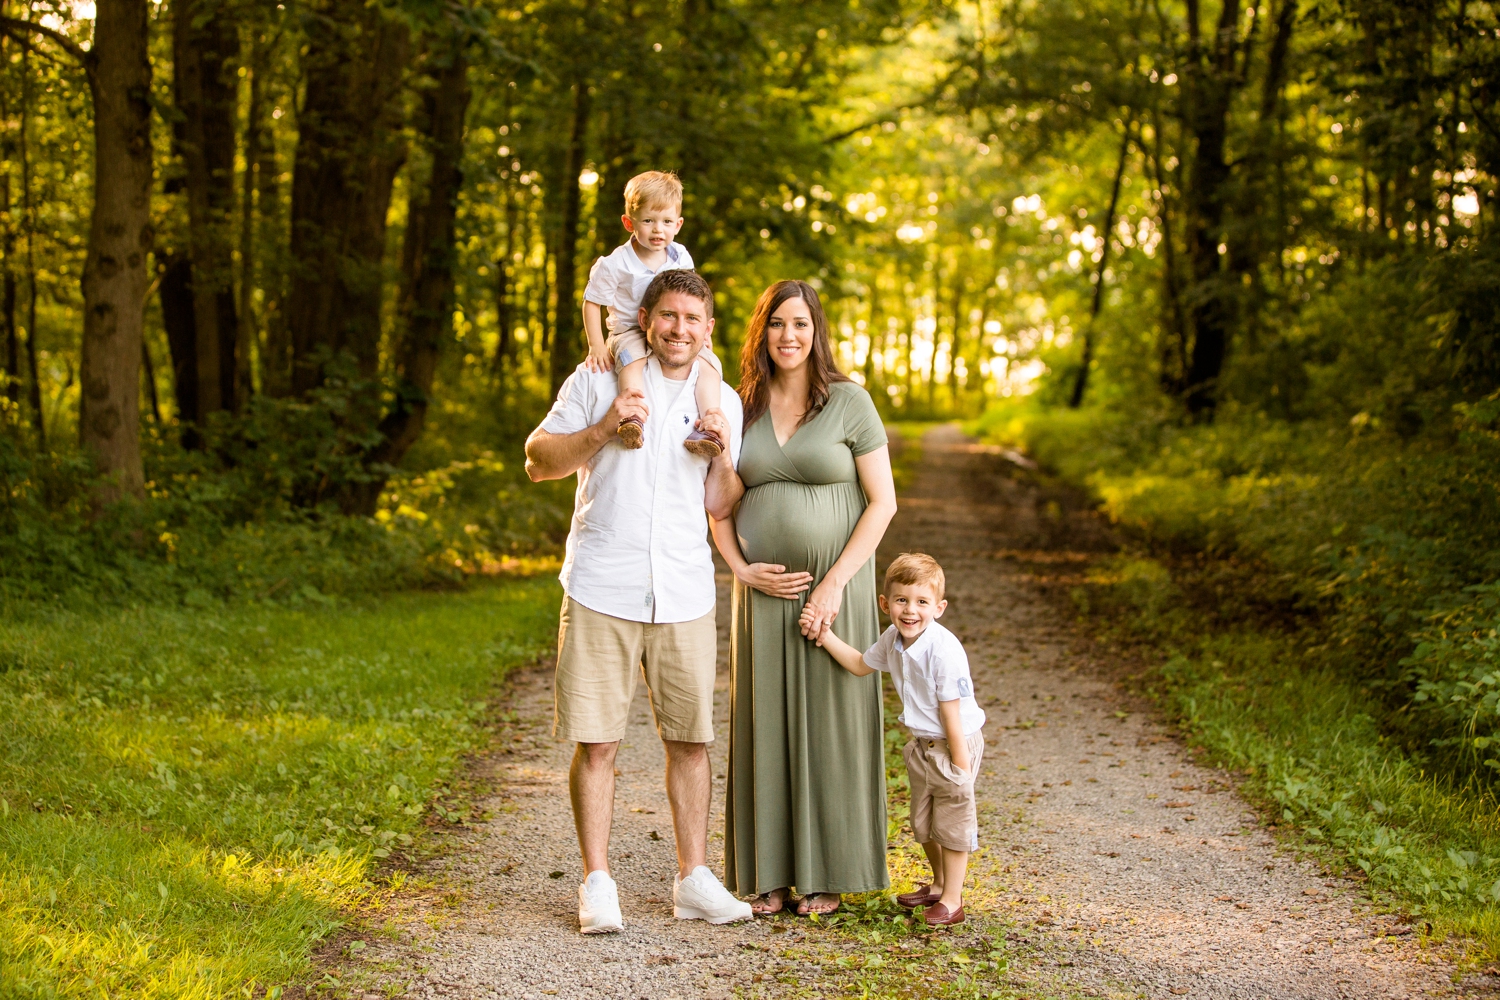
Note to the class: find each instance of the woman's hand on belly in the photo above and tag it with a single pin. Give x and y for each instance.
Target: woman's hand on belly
(824, 603)
(773, 580)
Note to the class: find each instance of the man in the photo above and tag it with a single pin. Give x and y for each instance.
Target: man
(638, 589)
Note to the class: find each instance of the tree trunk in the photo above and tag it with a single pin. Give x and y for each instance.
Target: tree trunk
(276, 352)
(505, 322)
(1208, 93)
(114, 272)
(1081, 380)
(205, 42)
(255, 110)
(566, 332)
(175, 292)
(12, 358)
(425, 307)
(349, 149)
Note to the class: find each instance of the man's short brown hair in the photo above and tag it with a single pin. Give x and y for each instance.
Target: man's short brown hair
(678, 280)
(915, 569)
(653, 189)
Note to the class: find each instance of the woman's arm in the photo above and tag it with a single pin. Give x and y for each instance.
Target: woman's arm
(770, 579)
(875, 479)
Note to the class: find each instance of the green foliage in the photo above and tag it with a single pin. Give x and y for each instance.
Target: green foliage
(192, 797)
(243, 518)
(1455, 674)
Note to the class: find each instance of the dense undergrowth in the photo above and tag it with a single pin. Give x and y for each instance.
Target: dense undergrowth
(192, 797)
(253, 514)
(1321, 600)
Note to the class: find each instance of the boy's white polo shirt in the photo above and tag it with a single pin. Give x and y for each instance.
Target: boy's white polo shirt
(934, 668)
(638, 544)
(620, 280)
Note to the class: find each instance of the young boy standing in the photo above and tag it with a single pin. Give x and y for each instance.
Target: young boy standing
(928, 665)
(653, 216)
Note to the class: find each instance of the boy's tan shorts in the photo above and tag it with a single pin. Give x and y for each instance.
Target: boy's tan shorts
(942, 796)
(630, 345)
(599, 658)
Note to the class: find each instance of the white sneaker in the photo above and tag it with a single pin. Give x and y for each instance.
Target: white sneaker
(599, 905)
(701, 896)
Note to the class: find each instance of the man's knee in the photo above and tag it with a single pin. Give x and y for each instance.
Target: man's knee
(686, 752)
(597, 755)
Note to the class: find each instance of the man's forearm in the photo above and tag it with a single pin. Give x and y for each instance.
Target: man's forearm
(555, 456)
(722, 489)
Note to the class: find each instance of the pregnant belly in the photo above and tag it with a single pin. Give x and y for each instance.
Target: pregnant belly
(803, 527)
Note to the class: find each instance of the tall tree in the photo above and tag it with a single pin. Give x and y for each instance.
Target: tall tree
(425, 305)
(114, 271)
(205, 46)
(349, 149)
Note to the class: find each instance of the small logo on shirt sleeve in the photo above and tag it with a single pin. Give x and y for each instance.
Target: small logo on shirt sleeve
(964, 689)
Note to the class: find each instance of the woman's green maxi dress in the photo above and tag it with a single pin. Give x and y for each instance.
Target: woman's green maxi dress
(806, 802)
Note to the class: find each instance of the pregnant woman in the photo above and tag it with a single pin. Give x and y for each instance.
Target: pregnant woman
(806, 773)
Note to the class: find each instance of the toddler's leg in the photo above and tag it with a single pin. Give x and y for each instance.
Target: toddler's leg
(632, 376)
(955, 867)
(706, 444)
(934, 852)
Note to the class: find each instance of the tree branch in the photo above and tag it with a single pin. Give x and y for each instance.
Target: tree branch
(21, 31)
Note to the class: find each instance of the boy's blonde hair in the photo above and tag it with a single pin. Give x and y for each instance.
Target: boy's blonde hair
(653, 189)
(915, 569)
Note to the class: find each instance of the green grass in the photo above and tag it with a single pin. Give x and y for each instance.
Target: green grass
(189, 799)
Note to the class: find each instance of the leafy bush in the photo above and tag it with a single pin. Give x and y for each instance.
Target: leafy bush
(1455, 674)
(251, 515)
(1375, 535)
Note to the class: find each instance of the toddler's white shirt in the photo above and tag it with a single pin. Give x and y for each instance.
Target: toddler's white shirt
(619, 281)
(934, 668)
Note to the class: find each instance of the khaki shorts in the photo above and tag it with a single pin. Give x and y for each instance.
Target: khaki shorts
(942, 796)
(630, 345)
(597, 660)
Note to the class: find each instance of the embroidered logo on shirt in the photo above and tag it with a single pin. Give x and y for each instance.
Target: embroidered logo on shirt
(964, 690)
(684, 418)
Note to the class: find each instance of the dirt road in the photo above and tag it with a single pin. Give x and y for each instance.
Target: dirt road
(1114, 865)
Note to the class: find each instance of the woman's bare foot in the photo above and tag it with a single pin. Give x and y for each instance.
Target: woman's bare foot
(771, 902)
(822, 903)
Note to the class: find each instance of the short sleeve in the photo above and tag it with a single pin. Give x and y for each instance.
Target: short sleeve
(573, 410)
(684, 259)
(950, 675)
(603, 280)
(863, 430)
(878, 656)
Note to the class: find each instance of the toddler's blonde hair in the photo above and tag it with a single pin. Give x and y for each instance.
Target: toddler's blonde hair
(653, 189)
(915, 569)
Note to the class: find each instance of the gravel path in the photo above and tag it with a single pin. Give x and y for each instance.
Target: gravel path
(1114, 864)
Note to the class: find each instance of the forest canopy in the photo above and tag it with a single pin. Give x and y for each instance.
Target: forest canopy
(294, 279)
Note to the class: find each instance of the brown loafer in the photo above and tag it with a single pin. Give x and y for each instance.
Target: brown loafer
(923, 896)
(704, 444)
(632, 432)
(939, 915)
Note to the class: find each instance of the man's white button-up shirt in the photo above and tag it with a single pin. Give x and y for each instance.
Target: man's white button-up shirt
(638, 545)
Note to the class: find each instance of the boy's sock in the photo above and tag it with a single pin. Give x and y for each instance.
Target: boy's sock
(706, 444)
(632, 429)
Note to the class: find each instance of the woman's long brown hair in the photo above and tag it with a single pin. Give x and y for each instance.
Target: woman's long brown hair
(756, 367)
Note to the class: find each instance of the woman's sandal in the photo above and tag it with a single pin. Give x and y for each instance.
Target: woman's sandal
(816, 903)
(770, 903)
